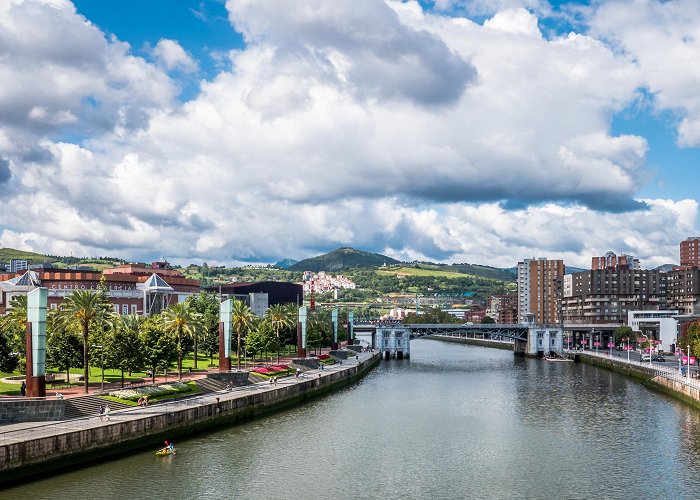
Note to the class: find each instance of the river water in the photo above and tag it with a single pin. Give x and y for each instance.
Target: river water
(454, 421)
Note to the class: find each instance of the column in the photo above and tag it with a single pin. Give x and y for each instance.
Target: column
(334, 318)
(36, 342)
(225, 327)
(301, 332)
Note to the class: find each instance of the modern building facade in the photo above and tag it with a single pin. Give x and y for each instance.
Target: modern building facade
(656, 325)
(278, 292)
(537, 285)
(607, 295)
(683, 290)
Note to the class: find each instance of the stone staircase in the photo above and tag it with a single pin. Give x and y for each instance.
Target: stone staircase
(209, 385)
(89, 406)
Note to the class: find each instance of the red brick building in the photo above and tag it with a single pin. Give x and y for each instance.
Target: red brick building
(132, 288)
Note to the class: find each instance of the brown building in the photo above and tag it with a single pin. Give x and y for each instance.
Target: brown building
(537, 290)
(606, 295)
(683, 290)
(132, 288)
(503, 308)
(612, 261)
(690, 252)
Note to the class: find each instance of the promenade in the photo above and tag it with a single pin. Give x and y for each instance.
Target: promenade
(138, 426)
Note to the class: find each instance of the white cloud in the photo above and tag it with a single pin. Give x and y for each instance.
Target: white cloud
(340, 123)
(171, 54)
(663, 37)
(59, 70)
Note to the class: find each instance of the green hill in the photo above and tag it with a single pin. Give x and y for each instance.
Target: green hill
(342, 259)
(96, 263)
(7, 254)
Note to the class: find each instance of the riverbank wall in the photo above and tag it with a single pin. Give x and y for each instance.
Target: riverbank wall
(496, 344)
(63, 449)
(677, 388)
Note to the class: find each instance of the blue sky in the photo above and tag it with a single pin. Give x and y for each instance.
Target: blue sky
(481, 131)
(202, 28)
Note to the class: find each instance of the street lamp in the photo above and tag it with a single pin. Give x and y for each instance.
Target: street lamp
(688, 369)
(628, 349)
(102, 365)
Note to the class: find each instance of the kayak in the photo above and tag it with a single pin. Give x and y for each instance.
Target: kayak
(164, 452)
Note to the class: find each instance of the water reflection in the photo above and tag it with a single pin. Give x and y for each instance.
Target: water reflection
(453, 422)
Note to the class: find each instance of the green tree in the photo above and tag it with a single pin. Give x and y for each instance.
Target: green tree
(14, 324)
(86, 310)
(180, 320)
(159, 348)
(242, 321)
(622, 332)
(64, 350)
(9, 360)
(314, 339)
(487, 320)
(124, 349)
(205, 306)
(279, 317)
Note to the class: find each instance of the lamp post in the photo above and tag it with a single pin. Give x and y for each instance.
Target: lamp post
(102, 365)
(628, 349)
(688, 369)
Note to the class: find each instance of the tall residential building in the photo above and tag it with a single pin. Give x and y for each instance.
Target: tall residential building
(607, 295)
(612, 261)
(683, 290)
(690, 252)
(537, 285)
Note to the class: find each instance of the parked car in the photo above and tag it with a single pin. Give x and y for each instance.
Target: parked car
(659, 358)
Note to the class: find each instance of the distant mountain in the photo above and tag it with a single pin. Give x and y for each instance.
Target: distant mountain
(342, 259)
(286, 263)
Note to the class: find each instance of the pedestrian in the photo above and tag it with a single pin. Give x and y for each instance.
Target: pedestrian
(298, 372)
(275, 379)
(357, 357)
(23, 389)
(102, 413)
(107, 412)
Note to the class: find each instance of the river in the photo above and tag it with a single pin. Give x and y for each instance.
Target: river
(454, 421)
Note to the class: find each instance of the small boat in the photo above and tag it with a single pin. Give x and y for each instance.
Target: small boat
(165, 451)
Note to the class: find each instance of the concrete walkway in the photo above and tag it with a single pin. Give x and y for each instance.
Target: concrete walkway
(15, 433)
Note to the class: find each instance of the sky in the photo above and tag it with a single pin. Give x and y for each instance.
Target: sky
(248, 131)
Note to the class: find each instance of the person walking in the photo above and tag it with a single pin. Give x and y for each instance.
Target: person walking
(23, 389)
(102, 413)
(107, 412)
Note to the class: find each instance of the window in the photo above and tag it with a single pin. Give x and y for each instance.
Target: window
(134, 309)
(116, 308)
(125, 309)
(53, 307)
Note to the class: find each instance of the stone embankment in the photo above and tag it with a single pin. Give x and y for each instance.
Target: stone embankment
(665, 379)
(36, 448)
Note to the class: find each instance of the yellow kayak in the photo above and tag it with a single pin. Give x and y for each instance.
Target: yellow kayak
(164, 452)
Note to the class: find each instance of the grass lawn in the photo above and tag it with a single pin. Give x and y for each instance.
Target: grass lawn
(412, 271)
(9, 389)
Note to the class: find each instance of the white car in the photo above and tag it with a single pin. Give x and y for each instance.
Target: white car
(646, 357)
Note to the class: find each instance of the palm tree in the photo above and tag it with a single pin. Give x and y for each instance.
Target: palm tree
(278, 316)
(81, 309)
(179, 319)
(242, 320)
